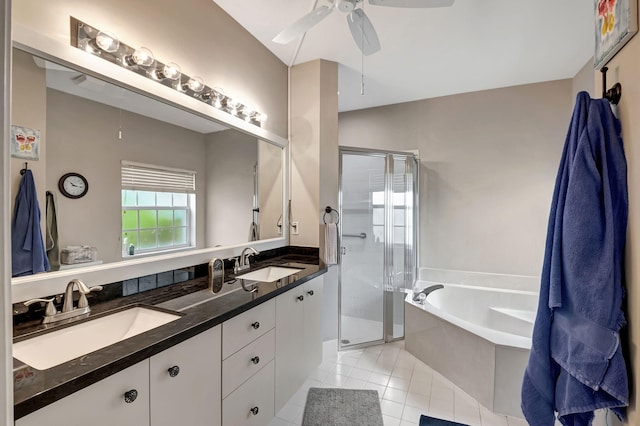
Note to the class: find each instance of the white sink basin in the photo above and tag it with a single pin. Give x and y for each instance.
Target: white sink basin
(50, 349)
(269, 274)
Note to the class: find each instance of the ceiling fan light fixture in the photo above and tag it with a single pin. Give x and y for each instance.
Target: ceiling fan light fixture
(346, 6)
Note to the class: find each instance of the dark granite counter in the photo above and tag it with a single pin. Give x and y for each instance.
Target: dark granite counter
(34, 389)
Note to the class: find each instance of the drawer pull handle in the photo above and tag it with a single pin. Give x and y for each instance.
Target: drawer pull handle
(255, 359)
(300, 298)
(130, 396)
(255, 411)
(255, 325)
(310, 292)
(174, 371)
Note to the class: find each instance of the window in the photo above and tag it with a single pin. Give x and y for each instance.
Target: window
(158, 208)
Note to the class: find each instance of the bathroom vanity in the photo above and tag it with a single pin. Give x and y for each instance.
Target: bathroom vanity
(229, 360)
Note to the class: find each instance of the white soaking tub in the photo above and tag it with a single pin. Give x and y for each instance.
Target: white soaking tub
(477, 337)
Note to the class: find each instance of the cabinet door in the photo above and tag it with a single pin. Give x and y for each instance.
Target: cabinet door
(313, 324)
(102, 403)
(289, 344)
(192, 395)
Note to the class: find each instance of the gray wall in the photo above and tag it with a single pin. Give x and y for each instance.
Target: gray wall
(82, 136)
(488, 162)
(231, 156)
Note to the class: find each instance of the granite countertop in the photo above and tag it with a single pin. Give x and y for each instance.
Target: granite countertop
(34, 389)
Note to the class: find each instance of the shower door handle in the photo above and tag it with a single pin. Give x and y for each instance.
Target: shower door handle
(343, 250)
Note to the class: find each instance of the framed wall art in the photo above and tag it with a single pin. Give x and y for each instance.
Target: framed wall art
(25, 143)
(616, 21)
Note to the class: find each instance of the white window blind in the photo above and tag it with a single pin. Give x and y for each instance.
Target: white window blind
(147, 177)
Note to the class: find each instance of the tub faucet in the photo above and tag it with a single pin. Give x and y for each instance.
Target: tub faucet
(426, 291)
(244, 258)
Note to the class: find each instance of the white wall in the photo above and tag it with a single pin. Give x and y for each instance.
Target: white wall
(488, 162)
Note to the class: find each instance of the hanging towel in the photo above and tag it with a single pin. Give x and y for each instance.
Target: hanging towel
(331, 244)
(576, 364)
(53, 251)
(28, 255)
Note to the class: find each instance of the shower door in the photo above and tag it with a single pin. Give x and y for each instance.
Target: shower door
(378, 244)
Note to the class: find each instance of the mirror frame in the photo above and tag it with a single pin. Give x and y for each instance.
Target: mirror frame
(46, 284)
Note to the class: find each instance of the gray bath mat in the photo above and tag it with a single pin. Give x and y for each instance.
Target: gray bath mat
(432, 421)
(342, 407)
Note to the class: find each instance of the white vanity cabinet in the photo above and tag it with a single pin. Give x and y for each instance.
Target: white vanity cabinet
(102, 403)
(248, 351)
(185, 382)
(298, 337)
(165, 395)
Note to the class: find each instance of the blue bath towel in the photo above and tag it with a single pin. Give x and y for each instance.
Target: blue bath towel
(28, 255)
(576, 364)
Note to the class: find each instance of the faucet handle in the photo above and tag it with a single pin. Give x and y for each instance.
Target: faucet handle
(84, 290)
(49, 311)
(236, 265)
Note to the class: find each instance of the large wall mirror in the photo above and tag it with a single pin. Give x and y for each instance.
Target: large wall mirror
(90, 127)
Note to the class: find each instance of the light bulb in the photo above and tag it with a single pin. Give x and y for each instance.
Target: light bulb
(232, 106)
(249, 112)
(172, 71)
(107, 41)
(141, 56)
(195, 84)
(218, 98)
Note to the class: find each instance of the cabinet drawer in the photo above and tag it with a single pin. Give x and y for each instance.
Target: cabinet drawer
(247, 361)
(255, 394)
(246, 327)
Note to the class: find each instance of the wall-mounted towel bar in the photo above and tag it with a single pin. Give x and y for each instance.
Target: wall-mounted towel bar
(327, 211)
(361, 235)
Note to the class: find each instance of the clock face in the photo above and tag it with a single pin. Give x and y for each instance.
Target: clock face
(73, 185)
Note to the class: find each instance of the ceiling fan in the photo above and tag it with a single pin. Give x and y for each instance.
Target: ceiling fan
(361, 27)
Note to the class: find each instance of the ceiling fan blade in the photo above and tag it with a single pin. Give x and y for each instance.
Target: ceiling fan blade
(302, 25)
(363, 32)
(412, 3)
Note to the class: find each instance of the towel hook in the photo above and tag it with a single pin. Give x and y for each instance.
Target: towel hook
(614, 94)
(26, 167)
(327, 211)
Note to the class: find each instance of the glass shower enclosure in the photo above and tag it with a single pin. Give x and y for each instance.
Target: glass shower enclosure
(378, 239)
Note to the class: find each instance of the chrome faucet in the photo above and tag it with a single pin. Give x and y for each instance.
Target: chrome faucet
(83, 303)
(426, 291)
(244, 258)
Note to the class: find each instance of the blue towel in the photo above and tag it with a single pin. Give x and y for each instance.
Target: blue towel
(576, 364)
(28, 255)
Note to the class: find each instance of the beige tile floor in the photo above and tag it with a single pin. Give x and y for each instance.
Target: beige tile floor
(406, 386)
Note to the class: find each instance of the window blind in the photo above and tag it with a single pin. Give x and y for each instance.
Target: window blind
(147, 177)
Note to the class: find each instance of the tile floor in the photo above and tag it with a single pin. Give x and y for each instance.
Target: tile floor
(406, 386)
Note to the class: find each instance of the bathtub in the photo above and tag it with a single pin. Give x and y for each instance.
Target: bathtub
(477, 337)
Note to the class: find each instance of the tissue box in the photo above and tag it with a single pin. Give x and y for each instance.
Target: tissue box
(78, 254)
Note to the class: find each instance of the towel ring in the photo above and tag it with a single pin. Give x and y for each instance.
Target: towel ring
(327, 211)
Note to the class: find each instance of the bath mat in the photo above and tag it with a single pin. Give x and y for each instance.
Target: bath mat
(342, 407)
(432, 421)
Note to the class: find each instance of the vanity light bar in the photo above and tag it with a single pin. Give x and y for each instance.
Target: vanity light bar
(141, 61)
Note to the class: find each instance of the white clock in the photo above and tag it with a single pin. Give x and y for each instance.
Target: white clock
(73, 185)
